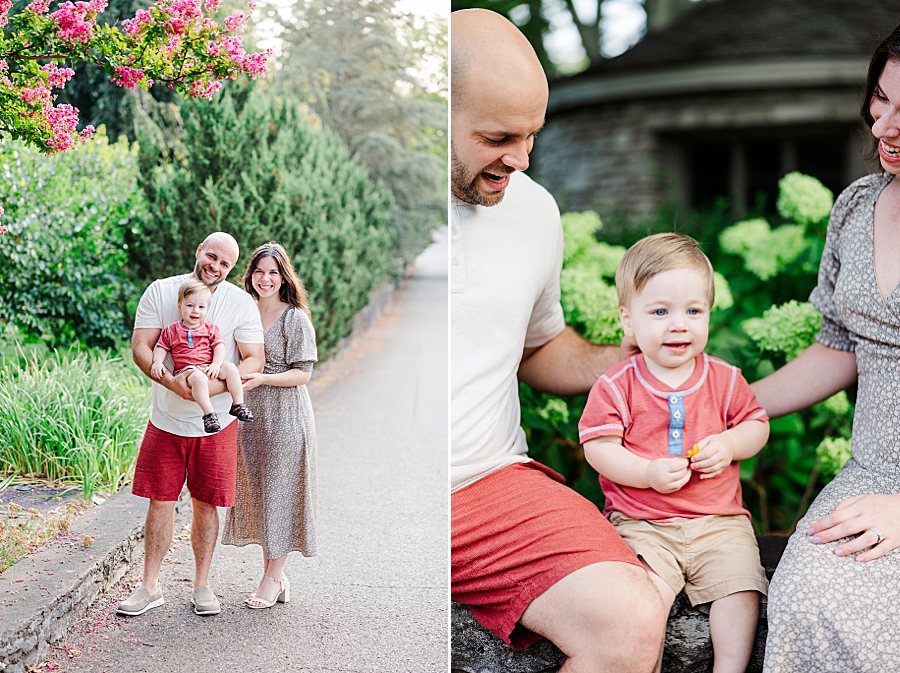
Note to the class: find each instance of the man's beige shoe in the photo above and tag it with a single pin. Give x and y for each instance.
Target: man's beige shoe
(141, 601)
(205, 601)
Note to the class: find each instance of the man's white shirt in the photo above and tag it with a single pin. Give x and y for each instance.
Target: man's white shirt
(504, 283)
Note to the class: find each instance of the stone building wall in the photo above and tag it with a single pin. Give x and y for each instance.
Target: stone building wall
(627, 158)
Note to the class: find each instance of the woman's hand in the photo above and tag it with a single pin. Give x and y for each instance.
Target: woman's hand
(860, 515)
(716, 453)
(667, 475)
(253, 380)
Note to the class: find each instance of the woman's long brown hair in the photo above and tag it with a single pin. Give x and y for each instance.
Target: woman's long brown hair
(292, 290)
(889, 49)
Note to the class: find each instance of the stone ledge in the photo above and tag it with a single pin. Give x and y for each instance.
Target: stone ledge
(688, 647)
(46, 592)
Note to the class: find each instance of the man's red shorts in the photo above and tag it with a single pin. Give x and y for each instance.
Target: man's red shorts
(209, 463)
(517, 532)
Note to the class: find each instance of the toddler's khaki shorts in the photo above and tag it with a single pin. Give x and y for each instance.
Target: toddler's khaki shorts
(709, 557)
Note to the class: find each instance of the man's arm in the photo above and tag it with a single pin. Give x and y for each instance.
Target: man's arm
(568, 364)
(253, 358)
(143, 341)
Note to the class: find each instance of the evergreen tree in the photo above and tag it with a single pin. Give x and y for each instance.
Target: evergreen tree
(355, 65)
(251, 165)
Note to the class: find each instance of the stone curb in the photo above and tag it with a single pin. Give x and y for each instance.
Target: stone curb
(45, 593)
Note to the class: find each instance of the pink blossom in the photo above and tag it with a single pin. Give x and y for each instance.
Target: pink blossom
(206, 90)
(87, 133)
(39, 6)
(230, 45)
(127, 77)
(62, 120)
(211, 5)
(235, 22)
(257, 64)
(141, 18)
(176, 26)
(3, 229)
(3, 65)
(36, 94)
(57, 76)
(251, 5)
(75, 22)
(5, 6)
(186, 9)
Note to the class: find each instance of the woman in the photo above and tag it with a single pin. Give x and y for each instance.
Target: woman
(275, 504)
(834, 603)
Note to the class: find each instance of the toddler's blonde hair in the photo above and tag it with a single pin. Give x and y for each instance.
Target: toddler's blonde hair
(657, 254)
(192, 286)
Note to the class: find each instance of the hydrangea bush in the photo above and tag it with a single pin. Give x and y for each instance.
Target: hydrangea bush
(761, 320)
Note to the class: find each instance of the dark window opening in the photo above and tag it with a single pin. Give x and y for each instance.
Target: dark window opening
(744, 166)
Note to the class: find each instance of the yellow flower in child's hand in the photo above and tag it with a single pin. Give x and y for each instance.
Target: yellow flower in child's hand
(693, 452)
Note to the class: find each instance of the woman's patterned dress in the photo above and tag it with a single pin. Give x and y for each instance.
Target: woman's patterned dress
(827, 613)
(275, 504)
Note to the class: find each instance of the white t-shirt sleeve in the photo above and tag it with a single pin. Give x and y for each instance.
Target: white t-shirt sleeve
(148, 314)
(249, 328)
(547, 319)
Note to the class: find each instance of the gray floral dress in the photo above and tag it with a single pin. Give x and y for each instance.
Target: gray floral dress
(828, 613)
(275, 503)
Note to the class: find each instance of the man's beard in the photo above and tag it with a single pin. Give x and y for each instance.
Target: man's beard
(198, 274)
(464, 184)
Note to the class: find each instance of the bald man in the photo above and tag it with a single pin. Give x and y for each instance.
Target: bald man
(530, 557)
(175, 444)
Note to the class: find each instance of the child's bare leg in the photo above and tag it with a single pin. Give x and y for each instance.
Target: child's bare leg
(732, 625)
(200, 390)
(232, 377)
(665, 592)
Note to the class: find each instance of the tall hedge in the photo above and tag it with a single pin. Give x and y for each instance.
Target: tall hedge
(63, 262)
(248, 163)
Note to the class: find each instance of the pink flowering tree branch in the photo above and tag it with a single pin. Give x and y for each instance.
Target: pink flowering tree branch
(174, 42)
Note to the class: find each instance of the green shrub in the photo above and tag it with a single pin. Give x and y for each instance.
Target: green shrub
(72, 417)
(252, 166)
(63, 260)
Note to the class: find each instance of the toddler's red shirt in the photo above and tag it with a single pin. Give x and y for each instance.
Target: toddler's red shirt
(190, 346)
(656, 421)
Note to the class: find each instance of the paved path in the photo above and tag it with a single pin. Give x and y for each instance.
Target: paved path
(376, 596)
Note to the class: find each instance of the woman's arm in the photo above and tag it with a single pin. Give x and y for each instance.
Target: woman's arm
(815, 375)
(289, 379)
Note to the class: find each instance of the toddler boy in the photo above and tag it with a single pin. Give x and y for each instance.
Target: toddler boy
(198, 351)
(680, 509)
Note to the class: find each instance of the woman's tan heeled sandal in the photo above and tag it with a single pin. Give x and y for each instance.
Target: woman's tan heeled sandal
(284, 595)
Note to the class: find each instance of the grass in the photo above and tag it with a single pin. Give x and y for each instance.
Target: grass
(23, 531)
(71, 417)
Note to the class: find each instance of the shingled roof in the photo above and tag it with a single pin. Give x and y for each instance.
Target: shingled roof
(741, 30)
(740, 45)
